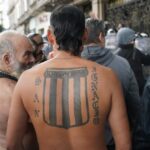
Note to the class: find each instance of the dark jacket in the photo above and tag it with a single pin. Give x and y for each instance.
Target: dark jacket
(135, 59)
(142, 139)
(124, 72)
(146, 111)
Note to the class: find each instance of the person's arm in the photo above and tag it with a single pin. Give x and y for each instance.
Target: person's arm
(17, 122)
(118, 117)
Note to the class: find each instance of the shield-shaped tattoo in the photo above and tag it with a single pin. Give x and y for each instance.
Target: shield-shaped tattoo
(64, 89)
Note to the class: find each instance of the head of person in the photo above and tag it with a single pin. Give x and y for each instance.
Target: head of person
(125, 37)
(95, 31)
(67, 29)
(16, 53)
(120, 25)
(37, 41)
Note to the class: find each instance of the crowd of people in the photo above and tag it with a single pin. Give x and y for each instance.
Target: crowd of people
(69, 91)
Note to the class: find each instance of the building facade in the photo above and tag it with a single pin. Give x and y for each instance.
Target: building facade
(26, 15)
(132, 13)
(33, 15)
(1, 12)
(1, 15)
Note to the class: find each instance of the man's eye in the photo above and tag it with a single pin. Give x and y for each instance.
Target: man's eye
(28, 54)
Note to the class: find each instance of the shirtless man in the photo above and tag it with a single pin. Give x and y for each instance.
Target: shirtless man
(15, 57)
(68, 99)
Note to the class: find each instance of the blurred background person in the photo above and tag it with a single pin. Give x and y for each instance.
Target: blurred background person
(95, 50)
(126, 42)
(111, 40)
(38, 43)
(46, 49)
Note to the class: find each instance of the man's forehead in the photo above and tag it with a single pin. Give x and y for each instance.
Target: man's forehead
(24, 45)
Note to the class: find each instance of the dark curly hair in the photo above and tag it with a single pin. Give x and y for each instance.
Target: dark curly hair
(68, 24)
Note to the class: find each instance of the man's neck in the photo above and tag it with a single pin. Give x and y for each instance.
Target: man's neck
(62, 55)
(5, 74)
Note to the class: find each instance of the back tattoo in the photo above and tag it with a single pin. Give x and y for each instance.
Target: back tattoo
(65, 99)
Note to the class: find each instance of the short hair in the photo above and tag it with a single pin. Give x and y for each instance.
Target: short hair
(6, 41)
(68, 25)
(94, 28)
(6, 46)
(9, 40)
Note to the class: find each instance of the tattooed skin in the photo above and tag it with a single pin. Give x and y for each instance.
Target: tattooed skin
(37, 81)
(95, 98)
(36, 112)
(59, 83)
(36, 98)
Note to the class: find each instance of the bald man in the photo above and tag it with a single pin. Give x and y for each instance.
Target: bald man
(15, 57)
(68, 99)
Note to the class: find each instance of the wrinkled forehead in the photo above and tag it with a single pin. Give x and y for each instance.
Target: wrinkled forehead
(22, 45)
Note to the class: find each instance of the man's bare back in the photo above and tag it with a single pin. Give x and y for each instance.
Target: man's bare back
(68, 101)
(6, 88)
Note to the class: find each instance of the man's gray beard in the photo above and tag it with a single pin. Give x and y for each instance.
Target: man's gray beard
(18, 69)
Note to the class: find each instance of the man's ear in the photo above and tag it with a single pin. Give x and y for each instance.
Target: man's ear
(85, 35)
(6, 59)
(50, 36)
(101, 37)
